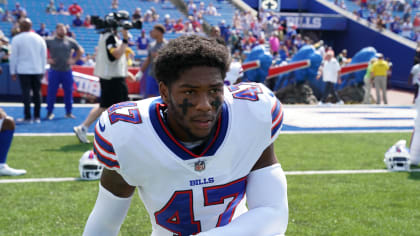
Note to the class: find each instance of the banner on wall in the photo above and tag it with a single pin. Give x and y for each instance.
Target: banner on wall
(315, 21)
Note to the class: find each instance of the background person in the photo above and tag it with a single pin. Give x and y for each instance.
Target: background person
(61, 49)
(379, 74)
(330, 71)
(112, 70)
(27, 62)
(157, 33)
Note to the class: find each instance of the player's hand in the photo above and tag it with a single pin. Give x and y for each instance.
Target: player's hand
(50, 61)
(124, 33)
(139, 75)
(13, 77)
(71, 61)
(131, 77)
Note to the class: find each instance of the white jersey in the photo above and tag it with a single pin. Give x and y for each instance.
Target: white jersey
(185, 193)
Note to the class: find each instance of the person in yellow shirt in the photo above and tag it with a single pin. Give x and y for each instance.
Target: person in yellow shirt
(379, 74)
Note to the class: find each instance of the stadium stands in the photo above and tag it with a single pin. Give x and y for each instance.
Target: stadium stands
(88, 37)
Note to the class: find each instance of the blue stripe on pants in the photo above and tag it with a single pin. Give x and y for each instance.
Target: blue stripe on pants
(55, 78)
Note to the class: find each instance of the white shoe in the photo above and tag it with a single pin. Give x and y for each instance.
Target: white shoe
(81, 132)
(320, 103)
(340, 102)
(6, 170)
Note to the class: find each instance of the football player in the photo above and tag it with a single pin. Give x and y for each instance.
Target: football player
(197, 154)
(7, 128)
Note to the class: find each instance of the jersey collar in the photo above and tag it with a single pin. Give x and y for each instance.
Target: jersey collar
(177, 147)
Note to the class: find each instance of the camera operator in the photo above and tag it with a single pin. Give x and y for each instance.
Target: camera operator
(111, 68)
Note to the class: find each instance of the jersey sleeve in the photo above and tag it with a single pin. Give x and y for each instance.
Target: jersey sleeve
(102, 145)
(276, 111)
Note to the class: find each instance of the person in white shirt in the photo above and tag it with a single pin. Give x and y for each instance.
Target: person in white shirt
(27, 62)
(415, 79)
(330, 71)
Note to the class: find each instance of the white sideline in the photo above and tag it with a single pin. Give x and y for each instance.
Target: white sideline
(308, 172)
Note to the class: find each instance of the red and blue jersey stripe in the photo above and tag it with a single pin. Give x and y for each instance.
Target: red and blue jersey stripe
(276, 117)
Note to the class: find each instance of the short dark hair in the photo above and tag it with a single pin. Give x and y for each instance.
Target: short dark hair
(160, 27)
(189, 51)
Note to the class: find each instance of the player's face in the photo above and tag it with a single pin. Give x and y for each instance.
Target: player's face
(194, 102)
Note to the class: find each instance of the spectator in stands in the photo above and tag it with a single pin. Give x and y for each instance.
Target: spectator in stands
(7, 128)
(69, 32)
(114, 4)
(407, 29)
(201, 8)
(179, 26)
(155, 15)
(157, 34)
(7, 16)
(395, 25)
(51, 9)
(89, 60)
(148, 17)
(87, 22)
(4, 50)
(61, 9)
(342, 57)
(191, 7)
(43, 31)
(274, 44)
(416, 23)
(136, 14)
(379, 74)
(61, 59)
(111, 68)
(19, 11)
(77, 21)
(168, 23)
(195, 24)
(211, 10)
(142, 44)
(330, 72)
(27, 62)
(75, 8)
(215, 32)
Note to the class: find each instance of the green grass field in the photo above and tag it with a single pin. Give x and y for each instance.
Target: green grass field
(352, 204)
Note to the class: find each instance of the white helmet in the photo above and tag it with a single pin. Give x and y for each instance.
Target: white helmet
(89, 166)
(397, 158)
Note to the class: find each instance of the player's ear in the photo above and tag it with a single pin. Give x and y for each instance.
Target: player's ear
(164, 92)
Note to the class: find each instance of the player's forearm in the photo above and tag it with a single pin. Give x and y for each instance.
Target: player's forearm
(108, 214)
(268, 207)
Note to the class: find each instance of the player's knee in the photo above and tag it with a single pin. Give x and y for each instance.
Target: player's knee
(8, 124)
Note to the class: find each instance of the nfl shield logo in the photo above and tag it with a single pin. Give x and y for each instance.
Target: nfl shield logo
(199, 166)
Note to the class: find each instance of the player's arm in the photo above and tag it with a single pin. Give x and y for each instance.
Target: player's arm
(114, 196)
(111, 206)
(266, 193)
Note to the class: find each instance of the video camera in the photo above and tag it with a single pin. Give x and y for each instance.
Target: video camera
(114, 20)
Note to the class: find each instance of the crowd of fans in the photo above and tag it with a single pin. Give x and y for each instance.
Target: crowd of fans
(398, 16)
